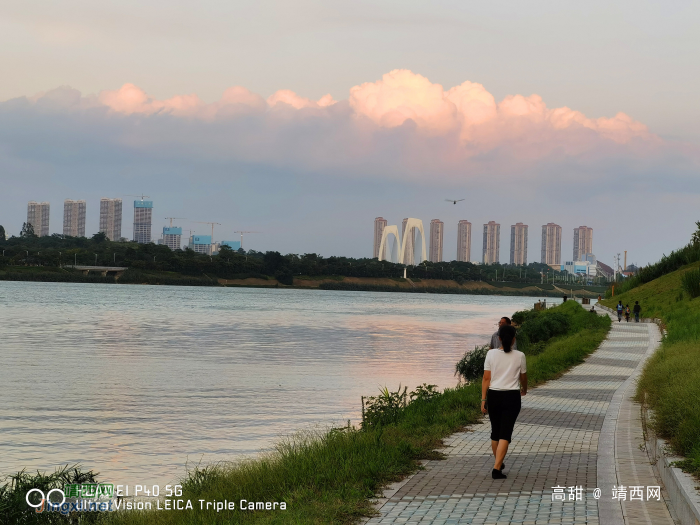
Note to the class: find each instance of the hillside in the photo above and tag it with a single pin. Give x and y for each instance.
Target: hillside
(670, 382)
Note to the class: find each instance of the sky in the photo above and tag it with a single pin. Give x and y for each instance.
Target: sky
(305, 120)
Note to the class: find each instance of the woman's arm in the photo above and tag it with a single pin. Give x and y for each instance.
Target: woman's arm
(485, 382)
(523, 384)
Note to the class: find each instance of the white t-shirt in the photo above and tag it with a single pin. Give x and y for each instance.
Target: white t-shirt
(505, 368)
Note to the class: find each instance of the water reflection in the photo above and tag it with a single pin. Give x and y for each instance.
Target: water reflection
(134, 381)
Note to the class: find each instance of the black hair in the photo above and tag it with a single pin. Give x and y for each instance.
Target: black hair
(507, 334)
(507, 320)
(636, 302)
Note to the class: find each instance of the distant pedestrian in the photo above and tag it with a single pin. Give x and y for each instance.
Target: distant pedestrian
(503, 384)
(619, 311)
(627, 313)
(495, 343)
(564, 297)
(637, 311)
(599, 298)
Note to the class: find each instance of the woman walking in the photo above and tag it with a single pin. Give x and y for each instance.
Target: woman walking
(503, 384)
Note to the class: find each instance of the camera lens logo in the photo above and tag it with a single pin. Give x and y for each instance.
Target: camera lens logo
(44, 498)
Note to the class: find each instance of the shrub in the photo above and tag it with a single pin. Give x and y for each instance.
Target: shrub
(690, 281)
(545, 326)
(383, 409)
(471, 366)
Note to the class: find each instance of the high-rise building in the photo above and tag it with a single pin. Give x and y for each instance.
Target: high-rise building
(551, 244)
(379, 225)
(111, 218)
(172, 237)
(518, 244)
(436, 230)
(74, 218)
(143, 211)
(38, 217)
(492, 243)
(583, 242)
(234, 245)
(464, 241)
(410, 243)
(200, 244)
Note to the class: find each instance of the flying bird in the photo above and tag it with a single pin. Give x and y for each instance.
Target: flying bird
(454, 201)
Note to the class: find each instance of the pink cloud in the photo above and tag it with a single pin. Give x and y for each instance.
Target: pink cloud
(464, 120)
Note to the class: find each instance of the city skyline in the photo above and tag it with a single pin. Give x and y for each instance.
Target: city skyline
(248, 121)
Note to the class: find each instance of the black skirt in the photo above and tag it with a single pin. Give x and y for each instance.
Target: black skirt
(503, 408)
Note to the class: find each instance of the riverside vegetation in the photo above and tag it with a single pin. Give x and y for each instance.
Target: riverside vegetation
(670, 381)
(331, 476)
(33, 258)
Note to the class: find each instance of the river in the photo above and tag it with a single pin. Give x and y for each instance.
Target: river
(135, 382)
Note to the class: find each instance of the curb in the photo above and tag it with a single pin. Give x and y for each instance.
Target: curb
(680, 487)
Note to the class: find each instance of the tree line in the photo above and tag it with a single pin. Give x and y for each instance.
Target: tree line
(60, 251)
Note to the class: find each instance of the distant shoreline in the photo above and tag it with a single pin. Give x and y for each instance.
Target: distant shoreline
(338, 283)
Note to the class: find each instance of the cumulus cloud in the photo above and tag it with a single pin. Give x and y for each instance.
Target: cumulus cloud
(401, 125)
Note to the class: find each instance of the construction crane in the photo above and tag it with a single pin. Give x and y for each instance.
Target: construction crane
(242, 232)
(142, 196)
(212, 227)
(171, 219)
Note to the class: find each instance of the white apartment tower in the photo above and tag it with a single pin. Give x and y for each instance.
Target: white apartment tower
(464, 241)
(111, 218)
(518, 244)
(38, 217)
(583, 242)
(437, 228)
(492, 242)
(379, 225)
(410, 253)
(551, 244)
(74, 218)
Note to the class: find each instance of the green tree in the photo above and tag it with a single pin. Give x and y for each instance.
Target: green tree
(99, 237)
(695, 238)
(27, 230)
(2, 234)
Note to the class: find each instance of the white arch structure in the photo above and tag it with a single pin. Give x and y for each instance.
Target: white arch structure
(410, 225)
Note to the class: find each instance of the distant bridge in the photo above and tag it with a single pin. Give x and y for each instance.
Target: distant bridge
(116, 271)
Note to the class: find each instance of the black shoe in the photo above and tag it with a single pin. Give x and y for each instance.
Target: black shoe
(503, 465)
(497, 474)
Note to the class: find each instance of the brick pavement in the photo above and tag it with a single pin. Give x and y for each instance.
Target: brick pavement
(582, 429)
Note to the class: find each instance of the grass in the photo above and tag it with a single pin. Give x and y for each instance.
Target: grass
(330, 476)
(670, 381)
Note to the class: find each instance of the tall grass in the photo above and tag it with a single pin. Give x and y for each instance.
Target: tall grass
(13, 491)
(690, 281)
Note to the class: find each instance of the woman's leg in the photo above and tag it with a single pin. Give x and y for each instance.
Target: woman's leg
(494, 446)
(501, 451)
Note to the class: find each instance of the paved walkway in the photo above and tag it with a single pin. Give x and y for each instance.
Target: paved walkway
(582, 430)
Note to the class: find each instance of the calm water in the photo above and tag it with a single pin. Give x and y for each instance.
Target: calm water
(135, 381)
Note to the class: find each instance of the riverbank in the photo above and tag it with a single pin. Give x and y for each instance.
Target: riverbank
(330, 477)
(670, 382)
(328, 282)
